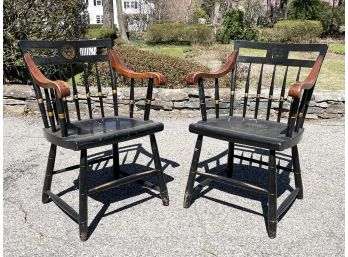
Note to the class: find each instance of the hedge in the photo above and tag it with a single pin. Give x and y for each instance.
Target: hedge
(292, 31)
(175, 69)
(177, 33)
(100, 32)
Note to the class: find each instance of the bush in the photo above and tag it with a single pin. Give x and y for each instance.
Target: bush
(100, 32)
(38, 20)
(199, 13)
(177, 33)
(233, 28)
(292, 31)
(175, 69)
(318, 10)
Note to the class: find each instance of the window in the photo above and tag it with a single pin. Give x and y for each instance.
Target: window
(130, 4)
(134, 5)
(99, 19)
(98, 2)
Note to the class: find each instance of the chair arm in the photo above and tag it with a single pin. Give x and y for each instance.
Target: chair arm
(60, 86)
(116, 63)
(193, 77)
(296, 88)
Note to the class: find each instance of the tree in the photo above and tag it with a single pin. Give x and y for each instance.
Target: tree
(38, 19)
(108, 14)
(120, 18)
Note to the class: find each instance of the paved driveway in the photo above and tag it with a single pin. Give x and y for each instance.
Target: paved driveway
(130, 221)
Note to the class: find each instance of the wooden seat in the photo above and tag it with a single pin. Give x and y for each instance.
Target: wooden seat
(264, 120)
(249, 131)
(66, 126)
(86, 134)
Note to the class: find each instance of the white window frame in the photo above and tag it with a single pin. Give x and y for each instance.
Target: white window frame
(126, 5)
(99, 2)
(99, 19)
(134, 5)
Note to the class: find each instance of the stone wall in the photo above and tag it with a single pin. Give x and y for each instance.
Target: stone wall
(325, 104)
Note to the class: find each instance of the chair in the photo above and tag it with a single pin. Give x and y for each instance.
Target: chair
(71, 130)
(252, 125)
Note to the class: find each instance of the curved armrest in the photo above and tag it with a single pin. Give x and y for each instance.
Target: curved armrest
(116, 63)
(193, 77)
(60, 86)
(295, 88)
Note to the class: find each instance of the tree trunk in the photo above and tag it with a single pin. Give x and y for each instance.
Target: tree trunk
(121, 24)
(216, 13)
(108, 14)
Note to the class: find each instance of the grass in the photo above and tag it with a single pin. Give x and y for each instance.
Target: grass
(337, 48)
(331, 75)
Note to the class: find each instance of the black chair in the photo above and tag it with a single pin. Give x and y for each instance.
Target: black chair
(253, 125)
(91, 58)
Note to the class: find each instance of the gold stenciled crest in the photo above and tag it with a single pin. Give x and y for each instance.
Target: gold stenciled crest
(68, 52)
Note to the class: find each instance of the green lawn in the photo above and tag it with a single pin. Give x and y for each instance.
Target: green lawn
(331, 76)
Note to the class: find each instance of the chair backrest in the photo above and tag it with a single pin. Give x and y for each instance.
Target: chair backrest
(60, 60)
(261, 76)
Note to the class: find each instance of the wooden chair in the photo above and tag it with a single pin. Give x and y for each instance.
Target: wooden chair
(71, 130)
(252, 127)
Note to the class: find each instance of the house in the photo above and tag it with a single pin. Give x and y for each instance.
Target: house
(137, 12)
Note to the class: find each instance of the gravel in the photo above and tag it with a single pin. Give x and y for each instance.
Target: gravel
(130, 221)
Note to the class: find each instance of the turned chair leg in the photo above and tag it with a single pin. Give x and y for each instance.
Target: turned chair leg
(230, 156)
(116, 161)
(160, 175)
(192, 174)
(297, 171)
(83, 216)
(272, 195)
(49, 173)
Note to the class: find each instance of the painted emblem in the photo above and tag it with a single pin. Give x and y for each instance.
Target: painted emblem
(68, 52)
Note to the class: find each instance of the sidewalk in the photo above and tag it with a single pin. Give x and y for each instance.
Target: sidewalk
(129, 221)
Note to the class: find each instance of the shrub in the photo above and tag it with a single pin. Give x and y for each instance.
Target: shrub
(318, 10)
(293, 31)
(175, 69)
(100, 32)
(38, 20)
(176, 33)
(232, 26)
(199, 13)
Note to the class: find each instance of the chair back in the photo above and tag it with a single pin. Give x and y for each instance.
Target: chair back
(86, 64)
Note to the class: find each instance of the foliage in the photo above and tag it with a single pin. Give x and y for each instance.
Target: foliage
(292, 31)
(175, 69)
(38, 19)
(199, 13)
(177, 33)
(318, 10)
(208, 6)
(100, 32)
(233, 28)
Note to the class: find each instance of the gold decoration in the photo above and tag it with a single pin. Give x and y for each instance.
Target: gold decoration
(68, 52)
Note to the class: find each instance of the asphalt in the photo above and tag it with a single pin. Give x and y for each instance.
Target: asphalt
(131, 221)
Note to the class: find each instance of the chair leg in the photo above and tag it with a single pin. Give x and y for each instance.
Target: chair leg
(49, 173)
(230, 156)
(160, 175)
(297, 171)
(272, 195)
(192, 174)
(116, 161)
(83, 216)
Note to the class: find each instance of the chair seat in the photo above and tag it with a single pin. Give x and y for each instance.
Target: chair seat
(91, 133)
(248, 131)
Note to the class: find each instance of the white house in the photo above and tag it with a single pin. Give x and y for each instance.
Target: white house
(130, 7)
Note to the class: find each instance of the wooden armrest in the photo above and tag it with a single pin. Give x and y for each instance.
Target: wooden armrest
(116, 63)
(193, 77)
(296, 87)
(60, 86)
